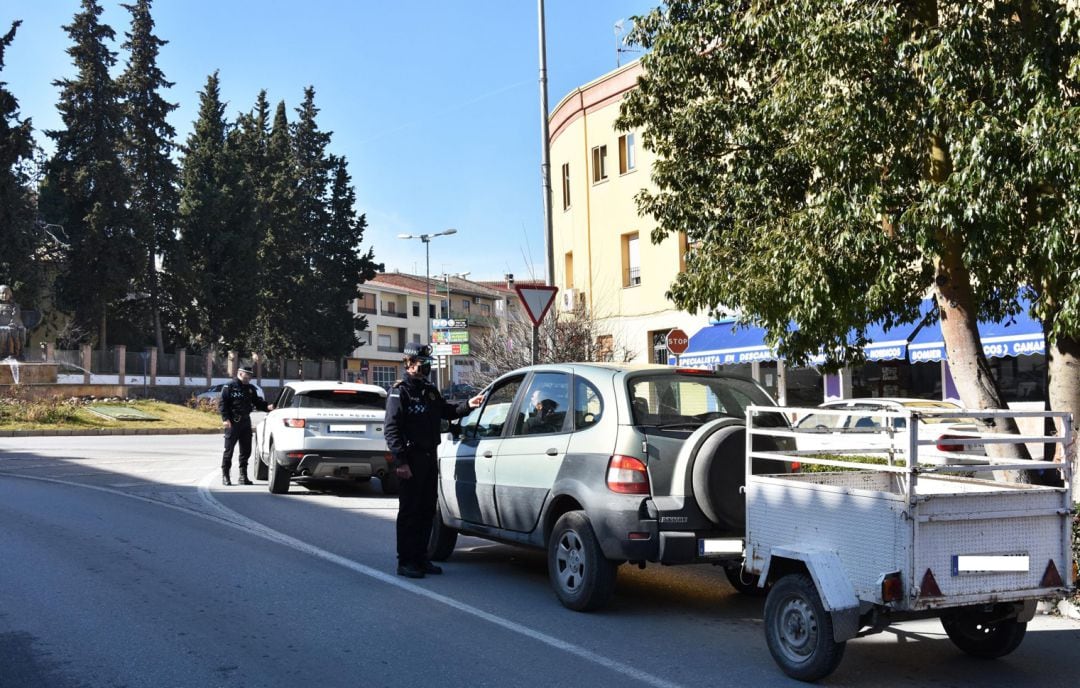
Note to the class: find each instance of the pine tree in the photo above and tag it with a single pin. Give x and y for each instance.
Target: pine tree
(18, 237)
(340, 267)
(211, 270)
(147, 156)
(85, 188)
(280, 254)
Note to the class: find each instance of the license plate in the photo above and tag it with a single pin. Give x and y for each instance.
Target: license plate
(990, 563)
(708, 546)
(347, 428)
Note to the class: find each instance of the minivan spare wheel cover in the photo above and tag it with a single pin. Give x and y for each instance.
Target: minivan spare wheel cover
(719, 470)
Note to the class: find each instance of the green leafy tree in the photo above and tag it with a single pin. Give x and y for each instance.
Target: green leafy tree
(19, 265)
(85, 187)
(832, 162)
(148, 149)
(214, 278)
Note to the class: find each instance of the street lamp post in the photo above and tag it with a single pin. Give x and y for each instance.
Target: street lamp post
(426, 238)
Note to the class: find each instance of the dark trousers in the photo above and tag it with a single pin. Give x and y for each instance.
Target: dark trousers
(239, 432)
(416, 508)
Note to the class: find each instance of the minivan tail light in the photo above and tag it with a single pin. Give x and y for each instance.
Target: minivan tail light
(627, 475)
(294, 422)
(944, 445)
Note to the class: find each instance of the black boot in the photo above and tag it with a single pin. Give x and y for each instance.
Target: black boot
(243, 477)
(225, 478)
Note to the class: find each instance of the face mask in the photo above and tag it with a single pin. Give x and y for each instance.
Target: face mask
(425, 368)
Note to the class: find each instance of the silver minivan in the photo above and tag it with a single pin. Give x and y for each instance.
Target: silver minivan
(602, 464)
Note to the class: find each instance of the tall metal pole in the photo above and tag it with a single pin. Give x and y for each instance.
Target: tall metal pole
(545, 170)
(545, 159)
(427, 283)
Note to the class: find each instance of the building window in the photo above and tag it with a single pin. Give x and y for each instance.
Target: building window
(599, 164)
(363, 337)
(389, 307)
(659, 347)
(416, 308)
(631, 260)
(465, 305)
(485, 309)
(627, 157)
(431, 310)
(566, 186)
(366, 304)
(386, 343)
(568, 269)
(384, 376)
(416, 338)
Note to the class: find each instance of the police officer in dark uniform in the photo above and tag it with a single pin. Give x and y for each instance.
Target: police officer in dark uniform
(238, 399)
(414, 411)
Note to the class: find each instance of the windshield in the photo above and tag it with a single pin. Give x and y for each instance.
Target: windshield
(682, 400)
(342, 399)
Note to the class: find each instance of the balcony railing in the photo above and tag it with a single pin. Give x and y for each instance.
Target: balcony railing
(391, 349)
(633, 277)
(367, 311)
(395, 314)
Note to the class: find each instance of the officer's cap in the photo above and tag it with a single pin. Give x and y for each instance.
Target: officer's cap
(246, 369)
(415, 351)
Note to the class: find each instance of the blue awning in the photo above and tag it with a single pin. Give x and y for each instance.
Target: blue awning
(1020, 335)
(726, 343)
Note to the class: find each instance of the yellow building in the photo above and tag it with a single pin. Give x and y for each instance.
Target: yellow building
(605, 260)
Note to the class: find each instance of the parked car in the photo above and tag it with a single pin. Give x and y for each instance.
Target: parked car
(214, 393)
(601, 464)
(830, 432)
(324, 430)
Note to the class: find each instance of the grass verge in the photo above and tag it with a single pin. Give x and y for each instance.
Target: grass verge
(71, 414)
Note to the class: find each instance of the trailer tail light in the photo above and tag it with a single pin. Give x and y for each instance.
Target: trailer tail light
(944, 445)
(627, 475)
(796, 466)
(294, 422)
(892, 588)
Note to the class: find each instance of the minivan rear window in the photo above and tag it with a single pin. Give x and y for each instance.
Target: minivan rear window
(687, 400)
(341, 398)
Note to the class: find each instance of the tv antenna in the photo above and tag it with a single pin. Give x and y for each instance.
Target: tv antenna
(623, 27)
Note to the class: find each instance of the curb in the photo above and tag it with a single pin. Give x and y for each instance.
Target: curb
(1064, 608)
(108, 431)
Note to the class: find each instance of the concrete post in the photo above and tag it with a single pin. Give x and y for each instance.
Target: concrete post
(153, 365)
(121, 363)
(256, 360)
(781, 383)
(50, 353)
(210, 367)
(234, 364)
(86, 355)
(181, 362)
(281, 372)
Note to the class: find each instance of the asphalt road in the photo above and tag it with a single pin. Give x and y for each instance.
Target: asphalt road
(123, 562)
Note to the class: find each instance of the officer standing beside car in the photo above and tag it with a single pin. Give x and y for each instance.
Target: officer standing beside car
(414, 412)
(238, 399)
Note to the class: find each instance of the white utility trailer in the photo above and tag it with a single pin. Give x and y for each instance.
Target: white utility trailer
(848, 548)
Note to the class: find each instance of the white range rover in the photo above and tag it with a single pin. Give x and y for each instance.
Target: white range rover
(324, 429)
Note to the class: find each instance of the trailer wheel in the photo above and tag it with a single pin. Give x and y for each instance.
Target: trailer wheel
(984, 634)
(799, 631)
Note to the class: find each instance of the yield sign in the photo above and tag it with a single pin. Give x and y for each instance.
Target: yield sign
(537, 301)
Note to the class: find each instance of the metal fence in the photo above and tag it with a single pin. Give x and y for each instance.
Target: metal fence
(138, 363)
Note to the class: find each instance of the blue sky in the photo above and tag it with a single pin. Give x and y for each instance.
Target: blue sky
(435, 103)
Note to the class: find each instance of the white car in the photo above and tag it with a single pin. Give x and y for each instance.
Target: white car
(861, 429)
(324, 429)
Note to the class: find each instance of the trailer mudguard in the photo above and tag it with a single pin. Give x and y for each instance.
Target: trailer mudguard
(832, 583)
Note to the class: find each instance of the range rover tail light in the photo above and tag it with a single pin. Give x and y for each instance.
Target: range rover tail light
(627, 475)
(294, 422)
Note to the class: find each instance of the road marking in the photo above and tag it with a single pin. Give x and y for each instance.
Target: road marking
(226, 516)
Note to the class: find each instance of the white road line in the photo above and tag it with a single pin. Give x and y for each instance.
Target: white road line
(228, 517)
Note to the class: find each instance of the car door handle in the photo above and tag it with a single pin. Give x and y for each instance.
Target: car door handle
(487, 454)
(552, 452)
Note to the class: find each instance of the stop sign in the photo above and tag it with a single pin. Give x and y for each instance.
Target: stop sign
(677, 341)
